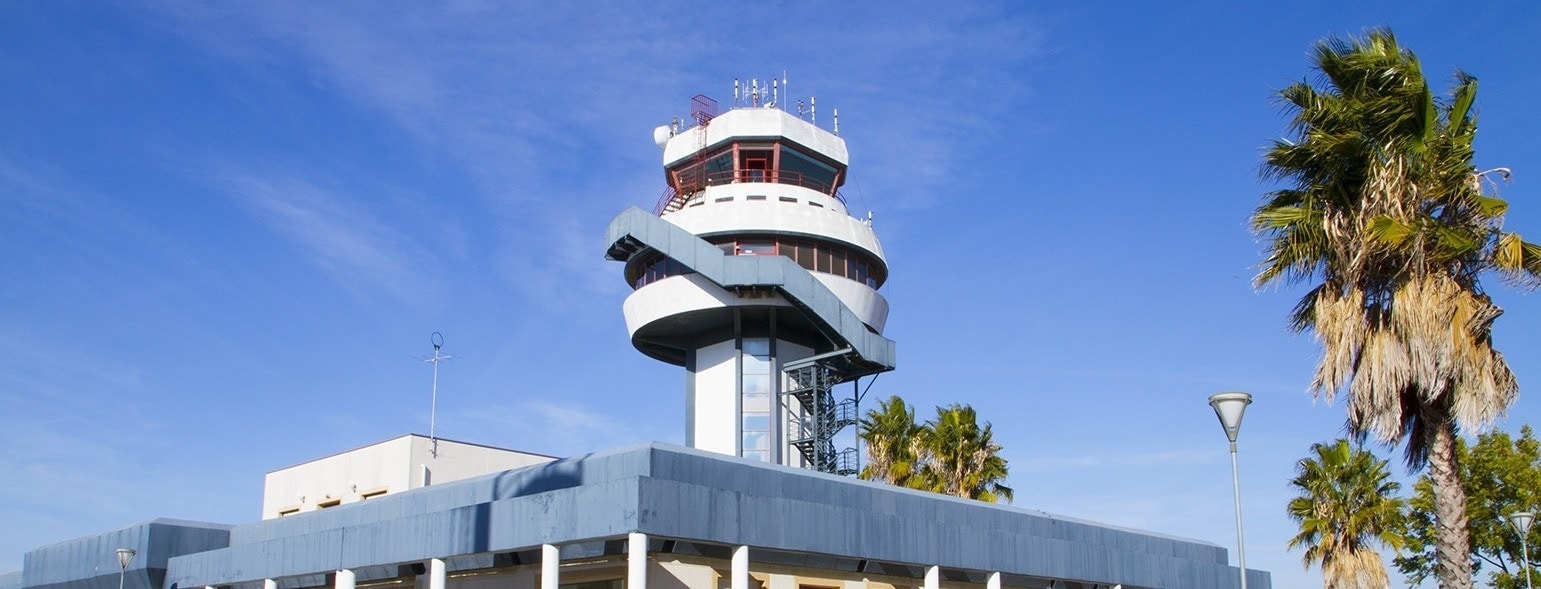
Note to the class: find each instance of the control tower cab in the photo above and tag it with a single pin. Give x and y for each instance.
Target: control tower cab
(751, 274)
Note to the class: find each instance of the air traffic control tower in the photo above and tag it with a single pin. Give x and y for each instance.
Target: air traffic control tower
(751, 274)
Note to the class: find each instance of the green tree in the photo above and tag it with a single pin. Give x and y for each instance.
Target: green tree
(1503, 475)
(963, 459)
(1346, 506)
(893, 443)
(1383, 206)
(952, 454)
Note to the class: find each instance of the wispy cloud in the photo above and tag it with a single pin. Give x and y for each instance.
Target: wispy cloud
(337, 234)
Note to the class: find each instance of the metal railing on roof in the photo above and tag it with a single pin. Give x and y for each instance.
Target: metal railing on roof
(674, 198)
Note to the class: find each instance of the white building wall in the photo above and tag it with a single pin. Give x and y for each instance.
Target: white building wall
(771, 215)
(755, 122)
(459, 460)
(391, 466)
(691, 292)
(338, 477)
(715, 415)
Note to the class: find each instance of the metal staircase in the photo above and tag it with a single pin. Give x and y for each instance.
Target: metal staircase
(814, 417)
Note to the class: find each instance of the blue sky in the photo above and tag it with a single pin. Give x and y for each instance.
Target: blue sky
(227, 231)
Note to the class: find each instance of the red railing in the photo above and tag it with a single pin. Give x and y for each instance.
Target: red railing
(691, 186)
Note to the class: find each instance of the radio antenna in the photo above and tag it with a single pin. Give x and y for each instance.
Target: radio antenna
(437, 339)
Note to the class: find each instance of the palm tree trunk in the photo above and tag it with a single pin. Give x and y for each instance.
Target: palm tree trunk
(1452, 546)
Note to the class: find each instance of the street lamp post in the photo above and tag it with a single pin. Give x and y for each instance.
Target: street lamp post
(1229, 408)
(125, 556)
(1522, 521)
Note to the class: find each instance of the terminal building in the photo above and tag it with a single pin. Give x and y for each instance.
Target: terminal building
(752, 276)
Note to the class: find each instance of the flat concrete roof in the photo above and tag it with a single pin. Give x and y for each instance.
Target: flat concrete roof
(685, 500)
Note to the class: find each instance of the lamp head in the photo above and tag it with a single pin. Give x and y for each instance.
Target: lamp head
(125, 556)
(1522, 521)
(1229, 408)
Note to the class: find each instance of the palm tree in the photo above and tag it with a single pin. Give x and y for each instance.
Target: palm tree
(964, 460)
(1385, 208)
(893, 443)
(1345, 505)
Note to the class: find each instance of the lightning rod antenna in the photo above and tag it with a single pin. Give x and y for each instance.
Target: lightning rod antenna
(437, 339)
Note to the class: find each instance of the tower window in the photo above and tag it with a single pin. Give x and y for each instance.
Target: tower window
(818, 257)
(755, 390)
(781, 163)
(800, 169)
(756, 248)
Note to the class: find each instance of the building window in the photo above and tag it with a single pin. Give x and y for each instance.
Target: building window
(817, 257)
(803, 170)
(778, 162)
(757, 248)
(290, 510)
(757, 391)
(325, 503)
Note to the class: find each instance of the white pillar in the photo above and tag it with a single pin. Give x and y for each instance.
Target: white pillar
(993, 581)
(741, 568)
(933, 578)
(435, 573)
(269, 584)
(345, 579)
(550, 559)
(636, 560)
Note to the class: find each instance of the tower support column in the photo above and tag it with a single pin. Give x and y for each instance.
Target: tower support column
(550, 566)
(436, 575)
(636, 560)
(740, 578)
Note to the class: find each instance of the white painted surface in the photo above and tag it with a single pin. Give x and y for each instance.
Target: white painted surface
(756, 122)
(636, 561)
(550, 567)
(436, 574)
(692, 292)
(740, 578)
(993, 581)
(345, 579)
(868, 305)
(773, 216)
(716, 409)
(933, 578)
(392, 466)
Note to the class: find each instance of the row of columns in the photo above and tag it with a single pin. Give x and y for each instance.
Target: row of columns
(636, 570)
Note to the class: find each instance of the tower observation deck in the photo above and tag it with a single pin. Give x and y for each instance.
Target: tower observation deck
(751, 274)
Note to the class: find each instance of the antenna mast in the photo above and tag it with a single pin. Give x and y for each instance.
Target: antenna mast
(437, 339)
